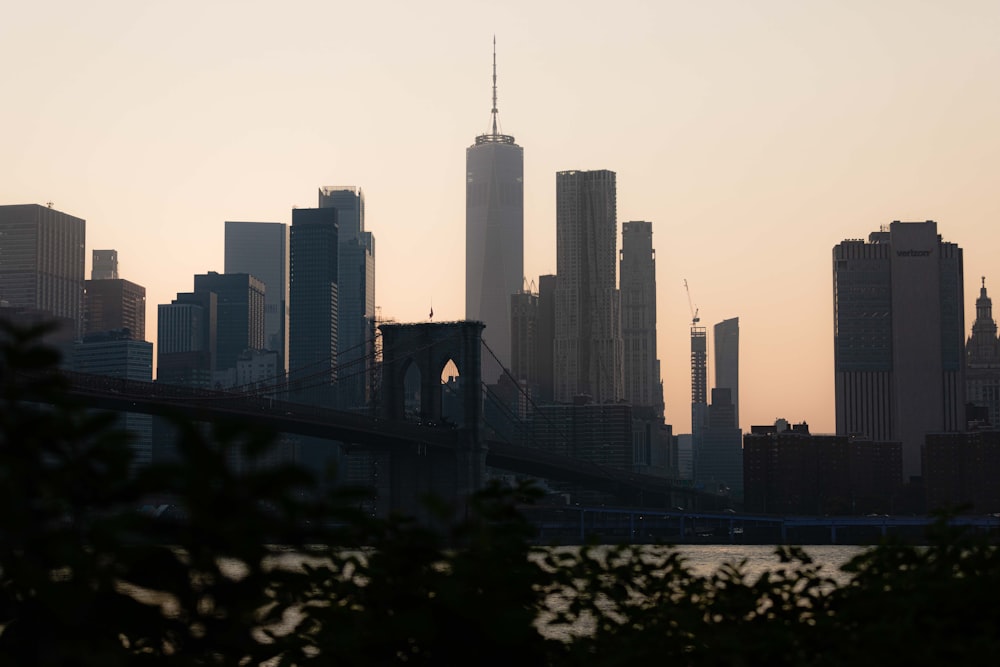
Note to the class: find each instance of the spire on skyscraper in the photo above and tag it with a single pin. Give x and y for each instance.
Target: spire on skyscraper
(495, 135)
(494, 112)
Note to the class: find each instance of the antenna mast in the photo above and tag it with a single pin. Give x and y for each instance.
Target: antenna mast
(494, 85)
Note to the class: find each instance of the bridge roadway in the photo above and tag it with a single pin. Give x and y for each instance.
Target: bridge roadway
(576, 524)
(368, 432)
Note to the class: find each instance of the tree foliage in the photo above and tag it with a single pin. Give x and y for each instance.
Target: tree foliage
(88, 578)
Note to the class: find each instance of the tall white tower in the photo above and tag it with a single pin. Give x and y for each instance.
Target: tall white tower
(494, 234)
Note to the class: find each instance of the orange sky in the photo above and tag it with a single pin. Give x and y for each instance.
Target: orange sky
(754, 135)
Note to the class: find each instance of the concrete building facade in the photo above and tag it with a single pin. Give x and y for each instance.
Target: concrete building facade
(899, 337)
(588, 342)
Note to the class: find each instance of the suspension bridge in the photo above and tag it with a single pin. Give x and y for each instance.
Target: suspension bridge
(427, 451)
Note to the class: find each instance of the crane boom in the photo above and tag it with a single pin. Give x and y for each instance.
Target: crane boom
(694, 311)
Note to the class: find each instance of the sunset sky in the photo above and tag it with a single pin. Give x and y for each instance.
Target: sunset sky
(754, 135)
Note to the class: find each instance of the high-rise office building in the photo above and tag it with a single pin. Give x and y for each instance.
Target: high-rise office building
(638, 298)
(111, 303)
(494, 235)
(982, 358)
(588, 343)
(356, 295)
(523, 329)
(726, 335)
(699, 380)
(899, 337)
(545, 338)
(313, 305)
(104, 265)
(239, 313)
(186, 339)
(42, 262)
(261, 250)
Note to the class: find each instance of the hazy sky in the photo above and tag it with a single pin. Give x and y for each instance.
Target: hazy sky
(754, 135)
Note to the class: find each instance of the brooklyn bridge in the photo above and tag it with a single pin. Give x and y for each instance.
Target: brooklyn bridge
(427, 454)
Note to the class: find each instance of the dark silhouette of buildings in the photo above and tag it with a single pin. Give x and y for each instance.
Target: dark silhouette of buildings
(787, 470)
(899, 337)
(962, 471)
(119, 354)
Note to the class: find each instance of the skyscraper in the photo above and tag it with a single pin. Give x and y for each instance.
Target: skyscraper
(899, 337)
(313, 303)
(699, 383)
(727, 361)
(185, 343)
(638, 298)
(523, 328)
(240, 315)
(588, 343)
(356, 294)
(982, 380)
(42, 262)
(261, 249)
(494, 234)
(545, 336)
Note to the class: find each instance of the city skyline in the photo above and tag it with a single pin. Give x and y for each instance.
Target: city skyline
(755, 139)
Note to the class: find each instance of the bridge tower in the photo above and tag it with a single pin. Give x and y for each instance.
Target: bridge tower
(418, 470)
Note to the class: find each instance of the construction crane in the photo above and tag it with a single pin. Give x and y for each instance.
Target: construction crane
(694, 311)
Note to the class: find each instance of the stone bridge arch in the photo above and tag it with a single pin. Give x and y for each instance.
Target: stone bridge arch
(418, 470)
(430, 346)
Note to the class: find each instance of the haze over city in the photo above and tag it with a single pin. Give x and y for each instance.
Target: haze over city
(754, 136)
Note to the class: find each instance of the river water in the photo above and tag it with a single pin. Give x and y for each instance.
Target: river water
(706, 558)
